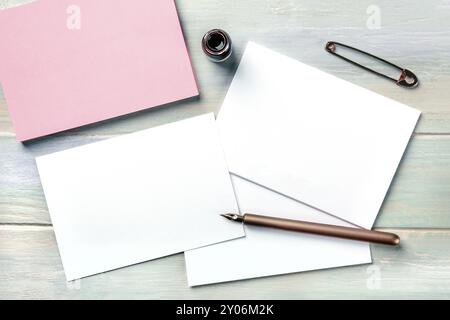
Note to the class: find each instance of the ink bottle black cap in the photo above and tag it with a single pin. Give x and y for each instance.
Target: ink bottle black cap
(217, 45)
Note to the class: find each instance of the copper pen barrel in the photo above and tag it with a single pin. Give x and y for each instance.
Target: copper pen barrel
(322, 229)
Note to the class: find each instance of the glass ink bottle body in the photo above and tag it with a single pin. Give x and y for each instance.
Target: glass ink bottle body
(217, 45)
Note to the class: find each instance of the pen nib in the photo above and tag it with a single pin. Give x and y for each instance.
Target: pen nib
(233, 217)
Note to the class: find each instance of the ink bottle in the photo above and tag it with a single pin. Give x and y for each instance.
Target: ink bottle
(217, 45)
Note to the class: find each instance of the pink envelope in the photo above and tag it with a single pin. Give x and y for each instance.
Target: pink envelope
(67, 63)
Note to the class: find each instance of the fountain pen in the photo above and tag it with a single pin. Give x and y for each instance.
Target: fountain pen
(316, 228)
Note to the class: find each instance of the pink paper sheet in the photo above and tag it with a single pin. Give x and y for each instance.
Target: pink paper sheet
(68, 63)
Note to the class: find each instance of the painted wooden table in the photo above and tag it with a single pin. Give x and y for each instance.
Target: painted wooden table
(414, 34)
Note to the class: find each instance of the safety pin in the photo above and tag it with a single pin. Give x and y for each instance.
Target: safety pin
(407, 78)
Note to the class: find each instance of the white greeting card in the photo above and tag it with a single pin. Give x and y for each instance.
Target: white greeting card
(265, 251)
(312, 136)
(139, 197)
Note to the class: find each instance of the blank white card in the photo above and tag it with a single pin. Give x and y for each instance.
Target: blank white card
(312, 136)
(264, 251)
(139, 197)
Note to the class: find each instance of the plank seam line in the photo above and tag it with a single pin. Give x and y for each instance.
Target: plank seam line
(12, 224)
(112, 135)
(432, 133)
(25, 224)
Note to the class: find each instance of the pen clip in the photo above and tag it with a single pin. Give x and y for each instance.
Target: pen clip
(407, 78)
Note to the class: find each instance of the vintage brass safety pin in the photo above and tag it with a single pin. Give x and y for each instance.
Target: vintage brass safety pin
(407, 78)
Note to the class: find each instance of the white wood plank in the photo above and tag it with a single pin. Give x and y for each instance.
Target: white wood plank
(420, 268)
(419, 196)
(414, 36)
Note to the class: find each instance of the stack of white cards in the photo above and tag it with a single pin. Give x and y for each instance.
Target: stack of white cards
(299, 143)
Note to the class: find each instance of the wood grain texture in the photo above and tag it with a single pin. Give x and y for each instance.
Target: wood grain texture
(420, 268)
(414, 35)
